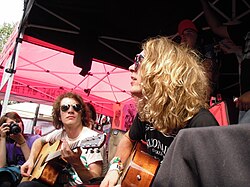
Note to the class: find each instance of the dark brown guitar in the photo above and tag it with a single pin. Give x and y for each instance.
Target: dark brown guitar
(49, 162)
(140, 169)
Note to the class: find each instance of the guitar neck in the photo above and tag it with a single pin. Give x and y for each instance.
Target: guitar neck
(87, 143)
(57, 153)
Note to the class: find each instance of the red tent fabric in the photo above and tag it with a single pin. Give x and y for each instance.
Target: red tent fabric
(43, 73)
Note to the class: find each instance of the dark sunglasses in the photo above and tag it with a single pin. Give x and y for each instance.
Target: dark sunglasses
(137, 60)
(76, 107)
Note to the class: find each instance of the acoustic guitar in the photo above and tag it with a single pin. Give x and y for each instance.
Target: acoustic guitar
(140, 168)
(49, 163)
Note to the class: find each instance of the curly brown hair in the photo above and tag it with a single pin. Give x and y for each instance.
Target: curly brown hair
(85, 114)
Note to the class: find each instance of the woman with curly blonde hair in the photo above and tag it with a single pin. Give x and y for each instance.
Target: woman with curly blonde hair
(170, 87)
(174, 85)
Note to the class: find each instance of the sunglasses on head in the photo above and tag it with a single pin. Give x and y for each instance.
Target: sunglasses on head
(137, 60)
(76, 107)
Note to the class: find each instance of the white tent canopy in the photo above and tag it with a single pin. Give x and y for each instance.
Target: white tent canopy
(42, 74)
(28, 110)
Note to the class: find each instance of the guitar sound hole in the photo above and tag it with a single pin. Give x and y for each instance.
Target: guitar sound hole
(138, 177)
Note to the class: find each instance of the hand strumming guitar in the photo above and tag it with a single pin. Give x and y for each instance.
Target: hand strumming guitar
(28, 166)
(111, 179)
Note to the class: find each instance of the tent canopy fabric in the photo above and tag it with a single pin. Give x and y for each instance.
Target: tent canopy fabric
(111, 30)
(43, 73)
(28, 110)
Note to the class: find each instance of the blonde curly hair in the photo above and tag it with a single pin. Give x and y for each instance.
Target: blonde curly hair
(174, 84)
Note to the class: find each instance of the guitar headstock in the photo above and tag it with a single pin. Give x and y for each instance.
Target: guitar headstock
(93, 142)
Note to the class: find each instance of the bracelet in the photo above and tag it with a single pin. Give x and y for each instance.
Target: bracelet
(116, 159)
(116, 164)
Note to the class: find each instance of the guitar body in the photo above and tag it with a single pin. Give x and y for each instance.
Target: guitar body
(47, 171)
(141, 168)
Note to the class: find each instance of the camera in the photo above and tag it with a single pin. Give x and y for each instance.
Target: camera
(14, 129)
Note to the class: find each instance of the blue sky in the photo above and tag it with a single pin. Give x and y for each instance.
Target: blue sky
(11, 11)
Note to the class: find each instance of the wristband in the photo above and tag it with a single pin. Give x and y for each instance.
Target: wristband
(116, 159)
(116, 164)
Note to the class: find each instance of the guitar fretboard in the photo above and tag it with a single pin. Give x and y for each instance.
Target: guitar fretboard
(88, 143)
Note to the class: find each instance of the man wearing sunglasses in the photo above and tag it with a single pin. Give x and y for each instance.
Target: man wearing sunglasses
(170, 88)
(71, 120)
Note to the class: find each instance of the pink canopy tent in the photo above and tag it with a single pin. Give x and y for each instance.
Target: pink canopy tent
(43, 73)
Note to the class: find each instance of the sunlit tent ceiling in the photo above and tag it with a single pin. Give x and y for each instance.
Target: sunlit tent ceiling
(43, 73)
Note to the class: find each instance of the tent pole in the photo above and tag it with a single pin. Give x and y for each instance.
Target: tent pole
(118, 52)
(11, 77)
(57, 16)
(35, 118)
(14, 57)
(7, 94)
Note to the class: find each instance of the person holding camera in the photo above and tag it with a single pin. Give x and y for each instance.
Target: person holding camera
(14, 148)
